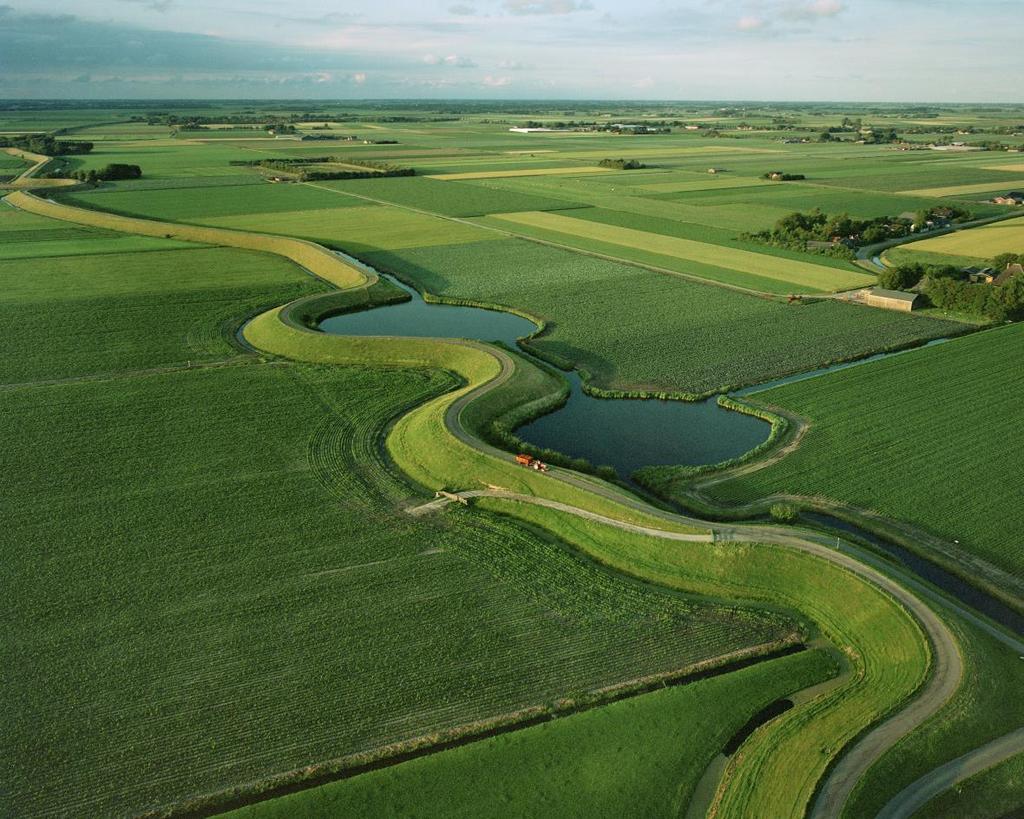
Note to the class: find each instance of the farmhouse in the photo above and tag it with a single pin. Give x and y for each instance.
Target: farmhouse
(1011, 198)
(980, 275)
(891, 299)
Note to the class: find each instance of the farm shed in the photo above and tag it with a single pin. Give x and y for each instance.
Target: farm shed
(891, 299)
(980, 275)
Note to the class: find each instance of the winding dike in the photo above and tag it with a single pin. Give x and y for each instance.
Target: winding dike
(863, 717)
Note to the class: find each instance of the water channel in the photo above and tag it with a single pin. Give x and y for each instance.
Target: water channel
(623, 433)
(630, 433)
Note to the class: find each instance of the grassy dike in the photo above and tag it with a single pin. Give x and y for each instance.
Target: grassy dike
(419, 442)
(775, 773)
(886, 653)
(316, 259)
(777, 770)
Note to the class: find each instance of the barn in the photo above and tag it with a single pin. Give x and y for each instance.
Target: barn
(891, 299)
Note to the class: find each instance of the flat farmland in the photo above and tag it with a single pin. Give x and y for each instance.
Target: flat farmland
(641, 756)
(257, 605)
(802, 275)
(965, 190)
(710, 183)
(187, 204)
(359, 229)
(633, 328)
(903, 430)
(570, 170)
(450, 198)
(86, 314)
(166, 159)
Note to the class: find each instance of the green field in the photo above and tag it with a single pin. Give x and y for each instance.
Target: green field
(929, 437)
(221, 579)
(222, 569)
(447, 198)
(693, 337)
(984, 242)
(641, 756)
(801, 275)
(81, 315)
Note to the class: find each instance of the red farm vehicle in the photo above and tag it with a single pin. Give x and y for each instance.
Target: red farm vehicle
(531, 463)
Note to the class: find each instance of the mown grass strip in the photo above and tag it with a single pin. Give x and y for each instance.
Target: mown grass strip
(982, 242)
(958, 190)
(803, 274)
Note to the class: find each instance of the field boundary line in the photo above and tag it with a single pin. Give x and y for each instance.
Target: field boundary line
(690, 277)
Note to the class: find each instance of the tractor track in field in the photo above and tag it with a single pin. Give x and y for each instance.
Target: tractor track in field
(947, 665)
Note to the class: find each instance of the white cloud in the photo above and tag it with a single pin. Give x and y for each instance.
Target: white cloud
(453, 60)
(751, 23)
(513, 65)
(359, 78)
(546, 6)
(496, 82)
(808, 10)
(462, 10)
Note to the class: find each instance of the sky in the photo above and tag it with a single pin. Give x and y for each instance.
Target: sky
(842, 50)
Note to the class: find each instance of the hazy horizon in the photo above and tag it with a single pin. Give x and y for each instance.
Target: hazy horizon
(868, 51)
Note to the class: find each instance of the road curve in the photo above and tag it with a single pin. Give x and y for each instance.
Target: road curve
(919, 793)
(947, 663)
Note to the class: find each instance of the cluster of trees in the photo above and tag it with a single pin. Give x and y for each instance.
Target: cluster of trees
(298, 168)
(840, 230)
(622, 164)
(844, 233)
(782, 176)
(946, 286)
(108, 173)
(1002, 303)
(46, 144)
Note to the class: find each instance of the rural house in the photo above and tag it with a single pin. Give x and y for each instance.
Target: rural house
(891, 299)
(1011, 198)
(980, 275)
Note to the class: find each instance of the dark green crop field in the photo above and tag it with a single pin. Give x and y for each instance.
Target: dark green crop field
(447, 198)
(257, 603)
(228, 577)
(188, 205)
(691, 337)
(87, 314)
(638, 757)
(932, 437)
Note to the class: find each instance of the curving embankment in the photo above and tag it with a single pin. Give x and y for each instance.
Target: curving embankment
(315, 258)
(904, 662)
(432, 446)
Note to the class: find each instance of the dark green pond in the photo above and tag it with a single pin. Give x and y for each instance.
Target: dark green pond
(624, 433)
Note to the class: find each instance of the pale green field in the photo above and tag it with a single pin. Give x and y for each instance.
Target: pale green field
(802, 274)
(373, 227)
(983, 242)
(961, 190)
